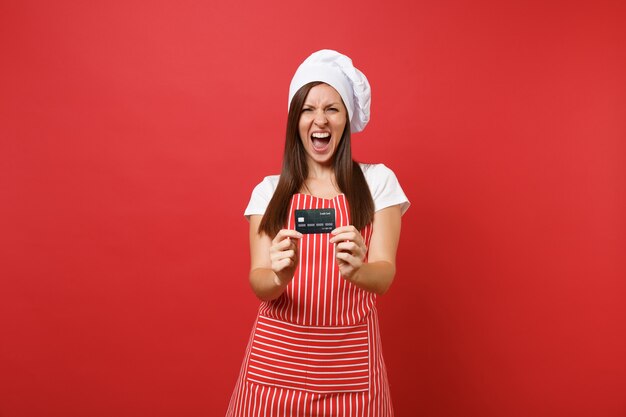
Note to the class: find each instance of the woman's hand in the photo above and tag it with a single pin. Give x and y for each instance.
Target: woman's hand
(350, 250)
(284, 255)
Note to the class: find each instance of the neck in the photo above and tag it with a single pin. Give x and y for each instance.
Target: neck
(320, 181)
(320, 172)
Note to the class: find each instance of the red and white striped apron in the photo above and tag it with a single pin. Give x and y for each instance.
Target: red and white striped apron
(315, 351)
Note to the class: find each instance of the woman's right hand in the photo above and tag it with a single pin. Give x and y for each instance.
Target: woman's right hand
(284, 255)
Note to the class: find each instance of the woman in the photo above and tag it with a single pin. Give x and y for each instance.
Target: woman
(315, 348)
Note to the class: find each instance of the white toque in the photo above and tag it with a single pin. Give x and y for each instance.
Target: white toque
(336, 70)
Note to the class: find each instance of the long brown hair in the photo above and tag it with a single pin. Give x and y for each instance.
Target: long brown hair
(348, 173)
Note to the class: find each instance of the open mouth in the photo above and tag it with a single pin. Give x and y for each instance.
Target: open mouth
(320, 141)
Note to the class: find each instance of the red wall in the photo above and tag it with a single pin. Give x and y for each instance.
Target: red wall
(131, 136)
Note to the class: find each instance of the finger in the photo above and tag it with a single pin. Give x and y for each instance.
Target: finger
(341, 263)
(343, 229)
(282, 264)
(349, 247)
(287, 233)
(348, 258)
(291, 254)
(287, 243)
(350, 235)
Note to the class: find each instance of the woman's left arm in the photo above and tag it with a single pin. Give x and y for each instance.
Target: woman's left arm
(377, 273)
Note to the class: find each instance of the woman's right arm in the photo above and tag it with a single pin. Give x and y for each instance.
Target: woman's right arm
(272, 261)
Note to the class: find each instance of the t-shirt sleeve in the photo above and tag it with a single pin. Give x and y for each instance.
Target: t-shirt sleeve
(385, 188)
(261, 196)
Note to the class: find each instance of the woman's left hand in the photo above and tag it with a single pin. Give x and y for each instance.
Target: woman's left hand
(350, 250)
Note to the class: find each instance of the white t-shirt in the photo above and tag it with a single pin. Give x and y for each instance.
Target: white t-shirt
(384, 186)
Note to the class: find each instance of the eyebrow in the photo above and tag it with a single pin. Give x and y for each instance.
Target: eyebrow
(328, 105)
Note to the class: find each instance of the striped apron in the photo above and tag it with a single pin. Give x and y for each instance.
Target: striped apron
(315, 351)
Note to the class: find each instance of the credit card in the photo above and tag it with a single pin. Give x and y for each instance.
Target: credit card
(315, 220)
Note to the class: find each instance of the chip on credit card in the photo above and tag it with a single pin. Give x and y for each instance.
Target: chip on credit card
(315, 220)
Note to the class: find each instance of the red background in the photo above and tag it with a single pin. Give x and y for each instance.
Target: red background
(131, 136)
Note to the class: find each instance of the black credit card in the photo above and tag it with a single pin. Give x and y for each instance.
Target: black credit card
(315, 220)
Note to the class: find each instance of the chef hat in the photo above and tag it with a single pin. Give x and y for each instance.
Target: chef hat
(337, 70)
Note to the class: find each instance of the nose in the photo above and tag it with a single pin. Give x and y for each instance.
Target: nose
(320, 117)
